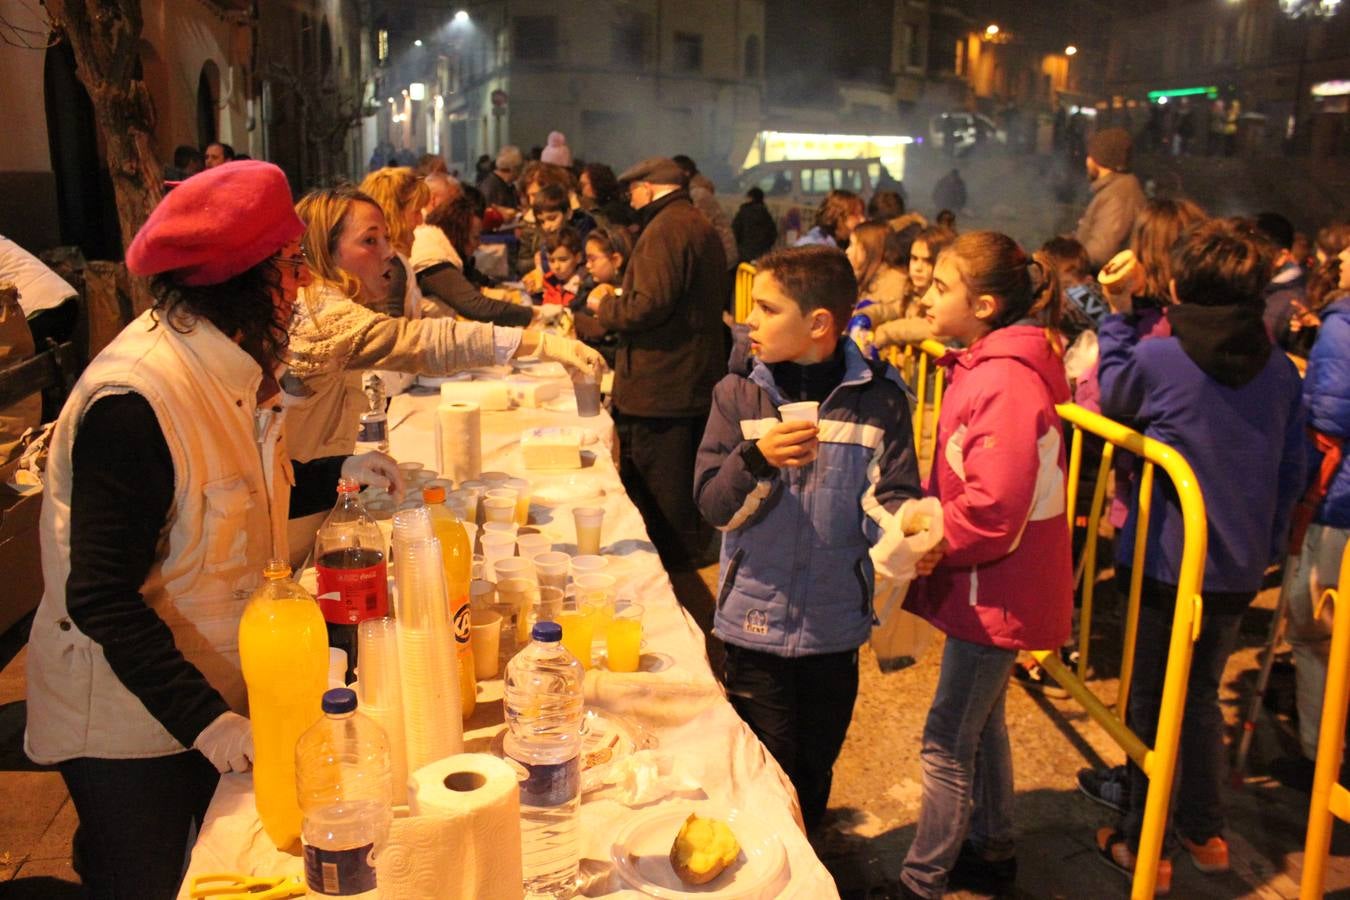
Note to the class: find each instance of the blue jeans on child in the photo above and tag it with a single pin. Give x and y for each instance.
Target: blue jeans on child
(967, 766)
(1197, 807)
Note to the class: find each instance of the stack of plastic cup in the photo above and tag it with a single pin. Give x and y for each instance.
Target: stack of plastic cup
(426, 644)
(514, 567)
(382, 695)
(588, 565)
(588, 520)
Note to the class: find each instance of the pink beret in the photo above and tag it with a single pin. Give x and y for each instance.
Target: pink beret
(217, 224)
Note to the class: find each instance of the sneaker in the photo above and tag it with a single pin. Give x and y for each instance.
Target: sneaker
(1115, 852)
(1211, 856)
(973, 872)
(1034, 678)
(1109, 787)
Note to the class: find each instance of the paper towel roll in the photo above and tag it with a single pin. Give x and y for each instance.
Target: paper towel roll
(491, 396)
(463, 837)
(459, 439)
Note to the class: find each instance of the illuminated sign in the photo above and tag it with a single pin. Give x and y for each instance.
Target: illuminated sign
(1331, 88)
(1210, 92)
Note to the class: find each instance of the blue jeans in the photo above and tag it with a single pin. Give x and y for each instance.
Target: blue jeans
(1197, 808)
(967, 766)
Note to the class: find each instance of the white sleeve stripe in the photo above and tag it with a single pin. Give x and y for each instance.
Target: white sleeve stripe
(752, 502)
(833, 431)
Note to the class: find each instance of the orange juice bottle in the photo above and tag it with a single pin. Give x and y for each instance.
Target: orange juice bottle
(283, 650)
(457, 558)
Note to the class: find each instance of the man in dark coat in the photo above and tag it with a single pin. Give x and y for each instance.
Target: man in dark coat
(754, 227)
(671, 353)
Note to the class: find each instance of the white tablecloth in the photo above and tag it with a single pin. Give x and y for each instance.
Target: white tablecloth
(682, 704)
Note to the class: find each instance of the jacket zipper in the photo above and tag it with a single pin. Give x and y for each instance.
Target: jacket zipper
(861, 575)
(729, 580)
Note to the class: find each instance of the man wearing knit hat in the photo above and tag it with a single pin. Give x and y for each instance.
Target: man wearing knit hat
(1117, 197)
(672, 351)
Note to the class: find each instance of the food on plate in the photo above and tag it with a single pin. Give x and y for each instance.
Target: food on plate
(703, 849)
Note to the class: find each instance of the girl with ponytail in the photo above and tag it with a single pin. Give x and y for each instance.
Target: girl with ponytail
(1001, 579)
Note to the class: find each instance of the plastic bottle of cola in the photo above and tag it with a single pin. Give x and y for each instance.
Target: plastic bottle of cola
(349, 555)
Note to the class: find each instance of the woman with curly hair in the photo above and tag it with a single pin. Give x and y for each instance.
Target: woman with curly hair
(166, 495)
(839, 213)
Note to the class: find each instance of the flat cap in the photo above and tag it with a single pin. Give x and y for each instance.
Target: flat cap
(655, 170)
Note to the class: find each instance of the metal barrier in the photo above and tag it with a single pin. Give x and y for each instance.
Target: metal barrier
(1328, 797)
(1159, 761)
(745, 278)
(914, 362)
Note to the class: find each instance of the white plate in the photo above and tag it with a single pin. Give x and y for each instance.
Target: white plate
(564, 490)
(641, 853)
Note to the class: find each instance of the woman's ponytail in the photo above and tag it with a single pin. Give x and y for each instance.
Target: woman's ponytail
(1025, 287)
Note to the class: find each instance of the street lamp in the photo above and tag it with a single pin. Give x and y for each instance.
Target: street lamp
(990, 30)
(1070, 50)
(461, 17)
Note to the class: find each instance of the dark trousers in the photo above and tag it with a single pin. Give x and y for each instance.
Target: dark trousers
(800, 709)
(656, 465)
(1197, 808)
(138, 820)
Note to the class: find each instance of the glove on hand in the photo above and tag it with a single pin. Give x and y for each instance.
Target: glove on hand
(227, 743)
(573, 354)
(375, 468)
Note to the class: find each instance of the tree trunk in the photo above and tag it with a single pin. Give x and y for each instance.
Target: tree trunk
(105, 37)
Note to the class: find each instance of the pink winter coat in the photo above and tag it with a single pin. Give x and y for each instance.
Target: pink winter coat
(999, 471)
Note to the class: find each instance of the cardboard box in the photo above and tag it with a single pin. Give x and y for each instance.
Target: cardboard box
(20, 553)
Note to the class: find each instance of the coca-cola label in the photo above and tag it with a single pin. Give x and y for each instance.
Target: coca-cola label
(548, 784)
(340, 873)
(349, 596)
(463, 623)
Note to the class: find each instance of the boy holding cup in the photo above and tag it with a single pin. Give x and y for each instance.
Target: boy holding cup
(795, 600)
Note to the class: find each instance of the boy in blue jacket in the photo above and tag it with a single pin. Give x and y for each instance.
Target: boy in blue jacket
(1223, 396)
(800, 504)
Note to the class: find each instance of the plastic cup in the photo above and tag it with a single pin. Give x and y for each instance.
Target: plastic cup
(596, 595)
(499, 528)
(531, 545)
(408, 469)
(499, 509)
(623, 641)
(805, 411)
(588, 520)
(471, 532)
(587, 391)
(578, 631)
(514, 567)
(588, 565)
(522, 488)
(485, 637)
(521, 594)
(495, 547)
(419, 480)
(550, 605)
(482, 593)
(477, 569)
(493, 478)
(337, 667)
(551, 568)
(474, 488)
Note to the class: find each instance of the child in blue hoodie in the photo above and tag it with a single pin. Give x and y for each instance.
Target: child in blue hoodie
(1219, 393)
(800, 503)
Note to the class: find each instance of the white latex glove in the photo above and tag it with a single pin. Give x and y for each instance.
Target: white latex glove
(227, 743)
(545, 313)
(375, 468)
(573, 354)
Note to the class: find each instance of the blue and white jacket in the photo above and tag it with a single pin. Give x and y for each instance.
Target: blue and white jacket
(796, 578)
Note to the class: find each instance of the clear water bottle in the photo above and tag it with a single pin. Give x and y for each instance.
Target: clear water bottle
(342, 772)
(543, 714)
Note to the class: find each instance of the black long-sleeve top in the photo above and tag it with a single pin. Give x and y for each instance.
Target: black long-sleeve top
(446, 283)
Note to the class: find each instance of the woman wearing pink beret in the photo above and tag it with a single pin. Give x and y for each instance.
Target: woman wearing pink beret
(167, 490)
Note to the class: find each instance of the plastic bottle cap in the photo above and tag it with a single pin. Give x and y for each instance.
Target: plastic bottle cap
(339, 700)
(348, 486)
(433, 493)
(548, 632)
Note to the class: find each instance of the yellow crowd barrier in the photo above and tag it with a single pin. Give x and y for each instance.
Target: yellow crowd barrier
(745, 278)
(915, 362)
(1328, 797)
(1159, 761)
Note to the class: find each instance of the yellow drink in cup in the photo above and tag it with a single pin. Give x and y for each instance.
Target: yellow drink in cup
(577, 633)
(623, 644)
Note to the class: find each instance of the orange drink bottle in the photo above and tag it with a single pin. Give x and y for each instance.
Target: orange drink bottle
(458, 561)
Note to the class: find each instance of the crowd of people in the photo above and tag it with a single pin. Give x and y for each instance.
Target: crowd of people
(213, 430)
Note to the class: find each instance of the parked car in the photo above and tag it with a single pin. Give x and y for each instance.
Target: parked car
(961, 132)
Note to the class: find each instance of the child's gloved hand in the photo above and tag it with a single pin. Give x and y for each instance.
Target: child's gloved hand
(790, 445)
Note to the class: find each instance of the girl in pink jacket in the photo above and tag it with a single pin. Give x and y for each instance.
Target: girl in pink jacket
(1001, 581)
